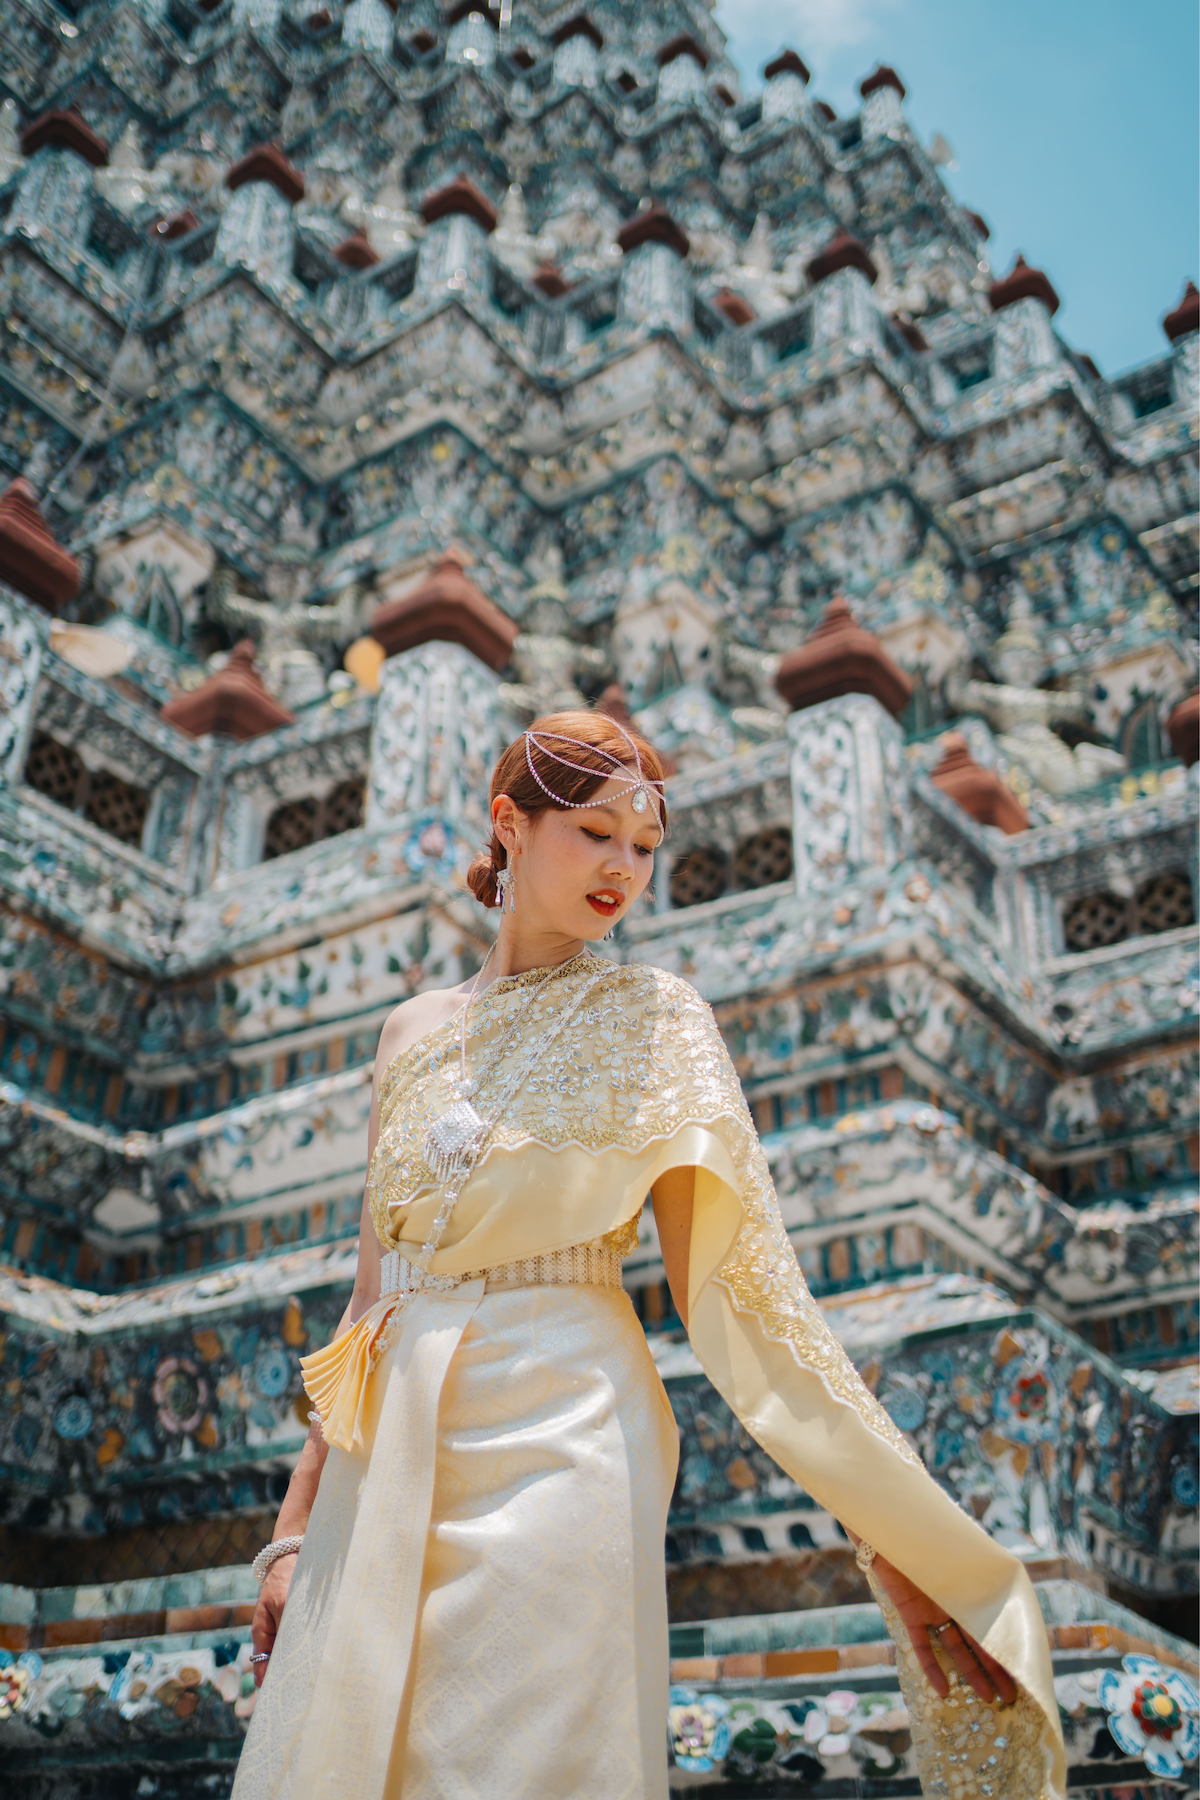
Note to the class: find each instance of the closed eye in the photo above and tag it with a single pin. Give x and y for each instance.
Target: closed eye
(603, 837)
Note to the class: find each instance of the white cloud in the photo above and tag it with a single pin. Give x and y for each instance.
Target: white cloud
(818, 29)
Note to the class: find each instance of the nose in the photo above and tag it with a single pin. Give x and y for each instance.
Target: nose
(619, 862)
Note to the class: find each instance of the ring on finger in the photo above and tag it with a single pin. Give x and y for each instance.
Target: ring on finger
(261, 1656)
(937, 1630)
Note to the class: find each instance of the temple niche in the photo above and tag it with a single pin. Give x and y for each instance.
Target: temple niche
(373, 382)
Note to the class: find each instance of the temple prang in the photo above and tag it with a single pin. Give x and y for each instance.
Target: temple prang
(373, 380)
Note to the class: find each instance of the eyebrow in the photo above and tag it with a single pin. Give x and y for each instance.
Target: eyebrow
(613, 813)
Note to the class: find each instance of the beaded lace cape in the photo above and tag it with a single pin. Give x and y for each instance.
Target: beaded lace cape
(642, 1059)
(642, 1081)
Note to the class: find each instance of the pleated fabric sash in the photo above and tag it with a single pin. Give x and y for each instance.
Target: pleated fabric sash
(336, 1376)
(367, 1656)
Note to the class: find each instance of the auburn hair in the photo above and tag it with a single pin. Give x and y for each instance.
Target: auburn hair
(599, 746)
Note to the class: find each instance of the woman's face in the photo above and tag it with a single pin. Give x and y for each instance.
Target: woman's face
(578, 872)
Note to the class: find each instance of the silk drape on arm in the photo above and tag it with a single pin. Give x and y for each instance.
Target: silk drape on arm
(642, 1083)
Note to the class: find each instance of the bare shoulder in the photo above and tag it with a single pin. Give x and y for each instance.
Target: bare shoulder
(413, 1019)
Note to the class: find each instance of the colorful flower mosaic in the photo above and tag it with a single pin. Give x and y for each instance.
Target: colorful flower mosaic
(1153, 1713)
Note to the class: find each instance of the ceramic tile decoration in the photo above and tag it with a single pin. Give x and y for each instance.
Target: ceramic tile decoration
(304, 309)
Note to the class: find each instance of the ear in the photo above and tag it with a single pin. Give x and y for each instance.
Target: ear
(508, 822)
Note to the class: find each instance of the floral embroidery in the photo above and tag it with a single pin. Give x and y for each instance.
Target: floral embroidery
(966, 1749)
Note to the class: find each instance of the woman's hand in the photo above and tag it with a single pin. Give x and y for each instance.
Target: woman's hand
(268, 1614)
(918, 1613)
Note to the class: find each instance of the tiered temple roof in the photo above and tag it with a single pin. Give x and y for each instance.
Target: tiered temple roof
(372, 381)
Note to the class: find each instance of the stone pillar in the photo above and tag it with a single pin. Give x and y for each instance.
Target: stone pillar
(1024, 302)
(471, 40)
(453, 254)
(844, 307)
(577, 61)
(784, 94)
(256, 229)
(681, 79)
(22, 636)
(436, 739)
(1024, 340)
(849, 792)
(1185, 354)
(54, 197)
(881, 112)
(882, 95)
(258, 15)
(454, 250)
(655, 289)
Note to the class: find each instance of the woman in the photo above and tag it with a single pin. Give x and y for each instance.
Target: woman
(465, 1594)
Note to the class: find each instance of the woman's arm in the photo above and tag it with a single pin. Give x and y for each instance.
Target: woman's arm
(298, 1502)
(672, 1197)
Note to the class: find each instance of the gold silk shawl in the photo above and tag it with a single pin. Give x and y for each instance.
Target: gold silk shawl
(640, 1082)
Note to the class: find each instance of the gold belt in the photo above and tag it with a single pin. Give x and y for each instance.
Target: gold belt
(584, 1265)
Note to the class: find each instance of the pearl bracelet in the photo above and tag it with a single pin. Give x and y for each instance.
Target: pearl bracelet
(271, 1553)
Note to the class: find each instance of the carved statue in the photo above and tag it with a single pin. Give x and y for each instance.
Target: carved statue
(1022, 713)
(548, 661)
(742, 665)
(285, 627)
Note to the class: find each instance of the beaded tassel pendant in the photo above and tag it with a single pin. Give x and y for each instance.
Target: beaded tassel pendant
(454, 1140)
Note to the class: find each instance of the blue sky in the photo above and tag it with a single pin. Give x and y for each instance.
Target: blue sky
(1074, 127)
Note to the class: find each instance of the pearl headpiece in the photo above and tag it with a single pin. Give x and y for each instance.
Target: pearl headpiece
(639, 786)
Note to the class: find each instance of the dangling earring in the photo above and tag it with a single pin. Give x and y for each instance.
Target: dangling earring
(508, 890)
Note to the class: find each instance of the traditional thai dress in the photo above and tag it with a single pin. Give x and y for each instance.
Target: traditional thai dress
(478, 1611)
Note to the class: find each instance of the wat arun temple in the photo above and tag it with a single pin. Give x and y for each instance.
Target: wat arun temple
(374, 378)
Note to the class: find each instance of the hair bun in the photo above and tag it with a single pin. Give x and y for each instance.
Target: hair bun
(481, 879)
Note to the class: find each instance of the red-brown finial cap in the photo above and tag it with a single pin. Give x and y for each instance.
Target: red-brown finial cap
(446, 607)
(1184, 318)
(1023, 283)
(551, 281)
(980, 792)
(30, 560)
(460, 196)
(579, 26)
(268, 163)
(842, 657)
(683, 45)
(174, 225)
(883, 76)
(787, 63)
(1183, 728)
(653, 226)
(67, 130)
(357, 251)
(736, 308)
(842, 252)
(233, 702)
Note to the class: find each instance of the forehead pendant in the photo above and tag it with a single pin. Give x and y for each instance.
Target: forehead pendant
(639, 800)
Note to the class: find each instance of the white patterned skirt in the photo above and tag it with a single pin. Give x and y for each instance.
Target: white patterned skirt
(479, 1609)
